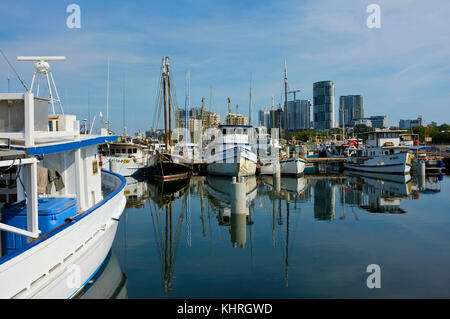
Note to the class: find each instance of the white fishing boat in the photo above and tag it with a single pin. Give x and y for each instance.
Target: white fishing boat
(383, 154)
(268, 150)
(61, 217)
(129, 156)
(231, 154)
(293, 163)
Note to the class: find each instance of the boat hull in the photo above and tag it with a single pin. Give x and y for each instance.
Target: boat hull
(234, 161)
(292, 166)
(269, 168)
(163, 168)
(59, 264)
(243, 167)
(125, 166)
(392, 164)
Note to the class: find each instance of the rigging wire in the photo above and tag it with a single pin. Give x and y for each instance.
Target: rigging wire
(12, 67)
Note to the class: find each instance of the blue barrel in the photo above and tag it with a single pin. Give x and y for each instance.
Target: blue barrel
(52, 212)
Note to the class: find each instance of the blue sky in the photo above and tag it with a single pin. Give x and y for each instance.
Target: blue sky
(401, 69)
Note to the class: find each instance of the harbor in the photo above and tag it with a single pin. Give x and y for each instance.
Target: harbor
(301, 241)
(223, 151)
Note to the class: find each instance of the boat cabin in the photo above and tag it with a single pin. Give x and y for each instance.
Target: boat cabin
(235, 134)
(383, 138)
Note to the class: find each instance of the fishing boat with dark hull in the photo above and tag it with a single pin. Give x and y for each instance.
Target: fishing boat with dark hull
(164, 168)
(164, 165)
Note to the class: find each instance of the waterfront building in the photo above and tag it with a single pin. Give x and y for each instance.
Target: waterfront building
(379, 121)
(406, 124)
(323, 105)
(208, 119)
(264, 118)
(236, 119)
(277, 118)
(362, 121)
(299, 113)
(350, 107)
(373, 121)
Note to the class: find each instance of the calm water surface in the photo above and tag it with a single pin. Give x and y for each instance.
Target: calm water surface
(308, 237)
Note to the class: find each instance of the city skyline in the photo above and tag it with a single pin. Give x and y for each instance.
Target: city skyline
(400, 69)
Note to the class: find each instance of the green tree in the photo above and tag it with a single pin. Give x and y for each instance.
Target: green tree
(362, 128)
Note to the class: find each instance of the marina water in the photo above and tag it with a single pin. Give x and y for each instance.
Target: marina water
(310, 237)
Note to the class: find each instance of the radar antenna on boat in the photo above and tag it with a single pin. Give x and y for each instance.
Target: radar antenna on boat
(42, 67)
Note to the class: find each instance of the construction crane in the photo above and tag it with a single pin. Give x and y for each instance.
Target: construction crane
(294, 92)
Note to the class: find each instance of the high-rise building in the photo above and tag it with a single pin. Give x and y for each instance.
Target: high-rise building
(236, 119)
(208, 119)
(264, 118)
(323, 117)
(299, 113)
(379, 121)
(277, 118)
(406, 124)
(350, 108)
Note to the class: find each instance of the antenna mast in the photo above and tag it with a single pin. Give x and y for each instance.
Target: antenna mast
(286, 113)
(210, 97)
(107, 101)
(123, 102)
(43, 68)
(250, 103)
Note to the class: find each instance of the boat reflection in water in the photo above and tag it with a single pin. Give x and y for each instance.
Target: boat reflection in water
(109, 283)
(136, 191)
(381, 193)
(286, 215)
(231, 199)
(167, 223)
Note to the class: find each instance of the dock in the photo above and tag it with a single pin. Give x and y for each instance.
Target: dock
(326, 160)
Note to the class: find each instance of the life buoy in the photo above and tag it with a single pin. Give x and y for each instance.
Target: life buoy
(100, 162)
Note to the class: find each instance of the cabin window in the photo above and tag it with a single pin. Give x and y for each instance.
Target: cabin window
(130, 151)
(123, 151)
(238, 131)
(245, 131)
(391, 151)
(224, 131)
(134, 150)
(213, 151)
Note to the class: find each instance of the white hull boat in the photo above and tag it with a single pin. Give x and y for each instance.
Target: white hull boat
(292, 166)
(129, 157)
(58, 226)
(231, 154)
(60, 265)
(383, 153)
(395, 164)
(240, 163)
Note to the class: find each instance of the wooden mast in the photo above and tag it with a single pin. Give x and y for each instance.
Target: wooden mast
(166, 134)
(286, 113)
(170, 101)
